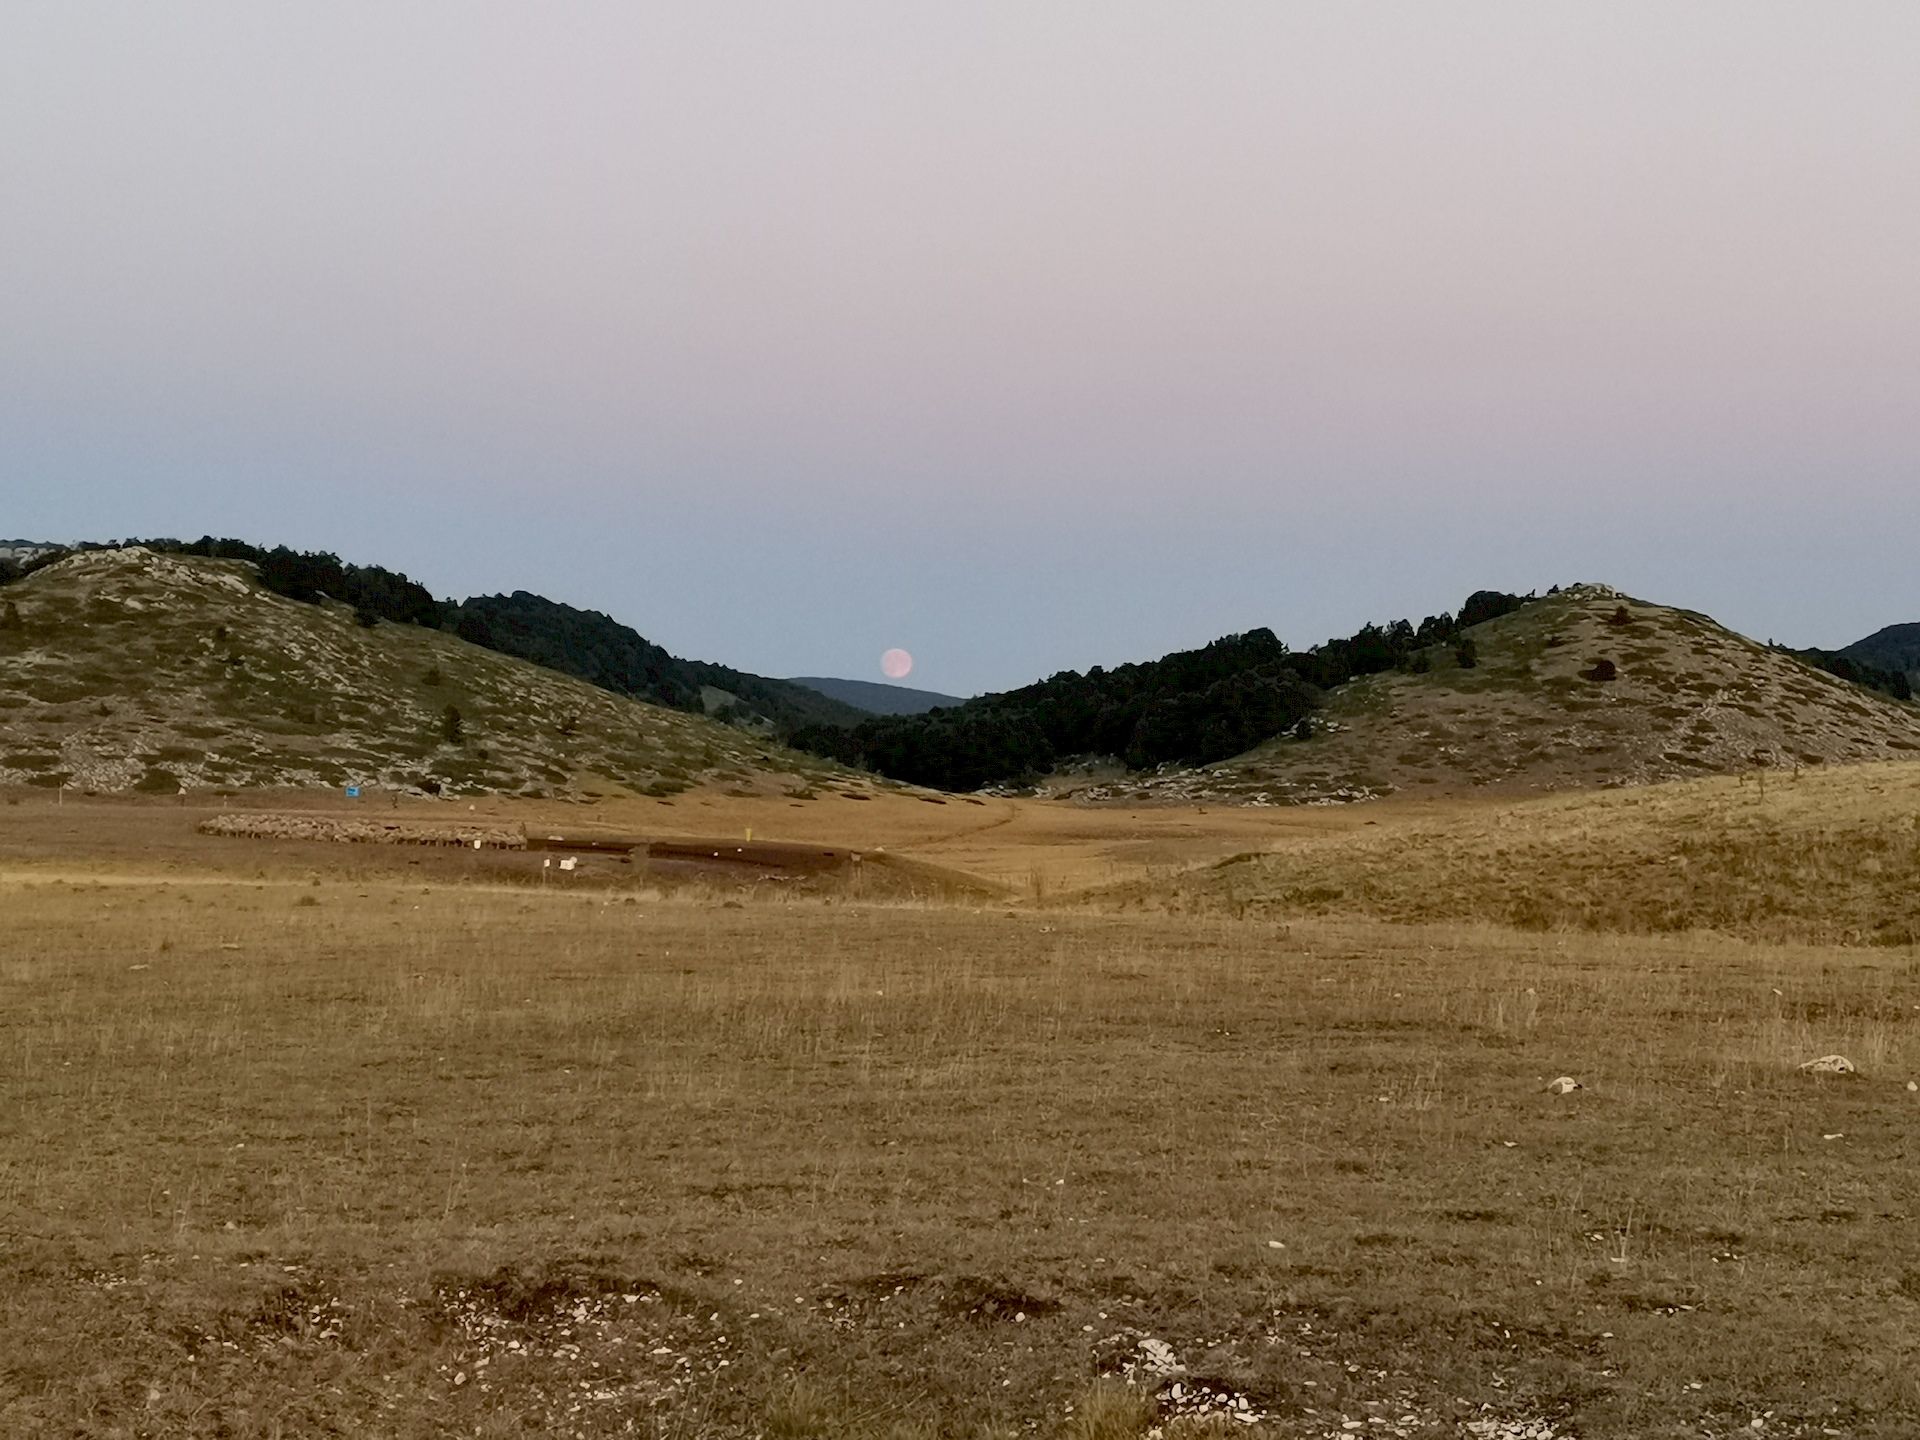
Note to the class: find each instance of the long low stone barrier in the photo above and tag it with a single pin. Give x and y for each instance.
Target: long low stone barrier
(362, 832)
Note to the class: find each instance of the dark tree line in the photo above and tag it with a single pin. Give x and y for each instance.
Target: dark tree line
(1891, 648)
(1892, 683)
(308, 576)
(583, 643)
(600, 650)
(1191, 707)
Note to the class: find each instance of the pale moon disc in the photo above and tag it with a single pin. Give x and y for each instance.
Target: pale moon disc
(896, 664)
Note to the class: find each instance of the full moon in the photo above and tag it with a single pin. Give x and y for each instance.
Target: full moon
(896, 664)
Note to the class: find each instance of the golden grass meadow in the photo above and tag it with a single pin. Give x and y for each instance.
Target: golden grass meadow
(1141, 1130)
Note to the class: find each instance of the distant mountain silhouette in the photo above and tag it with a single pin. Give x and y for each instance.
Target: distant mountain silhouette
(876, 698)
(1897, 647)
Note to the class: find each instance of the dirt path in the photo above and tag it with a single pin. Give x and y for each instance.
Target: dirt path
(1010, 813)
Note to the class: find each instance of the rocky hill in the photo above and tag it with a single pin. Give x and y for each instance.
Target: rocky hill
(126, 669)
(583, 643)
(1581, 688)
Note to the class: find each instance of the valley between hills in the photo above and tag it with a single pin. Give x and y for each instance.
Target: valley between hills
(130, 668)
(1512, 1051)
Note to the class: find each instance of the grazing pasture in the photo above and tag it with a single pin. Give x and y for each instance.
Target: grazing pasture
(305, 1139)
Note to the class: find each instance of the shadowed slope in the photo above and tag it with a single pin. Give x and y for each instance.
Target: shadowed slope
(1896, 647)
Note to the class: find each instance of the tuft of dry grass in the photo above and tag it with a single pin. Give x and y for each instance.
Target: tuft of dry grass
(1109, 1410)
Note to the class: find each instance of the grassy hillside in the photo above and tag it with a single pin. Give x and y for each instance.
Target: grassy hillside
(583, 643)
(124, 669)
(1687, 698)
(1828, 856)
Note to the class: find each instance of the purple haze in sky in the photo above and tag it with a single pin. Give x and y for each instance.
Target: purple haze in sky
(1022, 336)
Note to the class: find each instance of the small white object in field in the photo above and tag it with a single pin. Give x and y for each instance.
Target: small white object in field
(568, 863)
(1830, 1065)
(1836, 1135)
(1913, 1084)
(1157, 1359)
(1565, 1085)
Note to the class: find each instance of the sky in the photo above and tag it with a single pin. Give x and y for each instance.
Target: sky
(1020, 336)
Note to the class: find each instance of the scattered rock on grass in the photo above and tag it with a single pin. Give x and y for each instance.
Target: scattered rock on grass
(1565, 1085)
(1830, 1065)
(1516, 1430)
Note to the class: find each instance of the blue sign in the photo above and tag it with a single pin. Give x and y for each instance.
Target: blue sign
(353, 792)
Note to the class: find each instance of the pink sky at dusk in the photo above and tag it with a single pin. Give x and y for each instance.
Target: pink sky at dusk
(1022, 336)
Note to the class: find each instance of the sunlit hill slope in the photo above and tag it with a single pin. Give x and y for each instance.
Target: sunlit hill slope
(1828, 855)
(124, 669)
(1577, 689)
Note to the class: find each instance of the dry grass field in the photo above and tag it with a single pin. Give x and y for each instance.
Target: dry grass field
(1829, 854)
(302, 1139)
